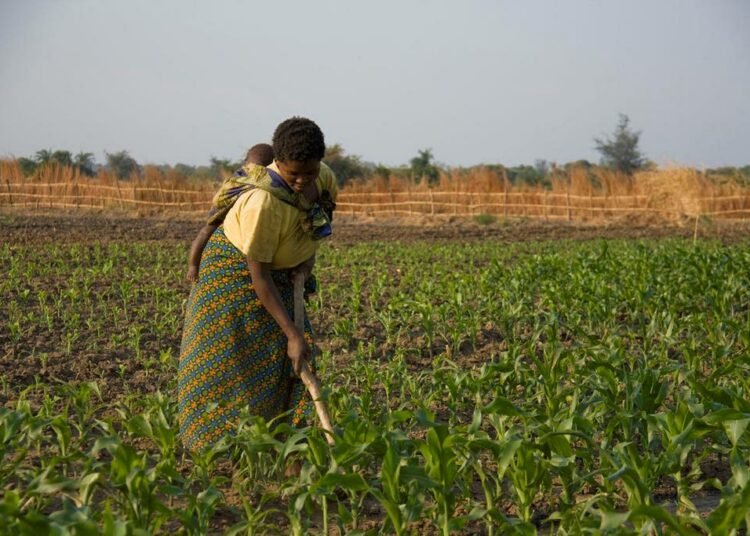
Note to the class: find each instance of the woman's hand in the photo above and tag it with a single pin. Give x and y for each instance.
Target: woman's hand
(298, 351)
(297, 348)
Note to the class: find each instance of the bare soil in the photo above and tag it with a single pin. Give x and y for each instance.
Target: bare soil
(43, 227)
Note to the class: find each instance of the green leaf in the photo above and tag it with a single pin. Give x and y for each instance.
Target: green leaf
(391, 509)
(140, 426)
(425, 418)
(300, 501)
(735, 429)
(507, 452)
(613, 520)
(86, 486)
(730, 513)
(414, 473)
(723, 415)
(348, 481)
(559, 444)
(657, 513)
(109, 443)
(398, 416)
(11, 502)
(344, 514)
(740, 471)
(209, 496)
(476, 421)
(502, 406)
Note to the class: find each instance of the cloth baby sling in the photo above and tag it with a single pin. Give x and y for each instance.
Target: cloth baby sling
(318, 214)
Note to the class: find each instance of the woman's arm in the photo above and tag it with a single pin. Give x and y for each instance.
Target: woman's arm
(297, 347)
(196, 250)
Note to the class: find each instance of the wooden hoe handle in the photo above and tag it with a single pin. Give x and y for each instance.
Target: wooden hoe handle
(308, 377)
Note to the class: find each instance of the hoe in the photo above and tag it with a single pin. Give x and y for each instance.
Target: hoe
(309, 378)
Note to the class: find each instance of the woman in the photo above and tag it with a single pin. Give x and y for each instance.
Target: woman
(239, 344)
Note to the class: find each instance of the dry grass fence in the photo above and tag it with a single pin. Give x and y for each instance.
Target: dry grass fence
(57, 186)
(576, 195)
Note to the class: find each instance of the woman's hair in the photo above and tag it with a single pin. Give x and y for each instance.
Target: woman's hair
(298, 139)
(260, 154)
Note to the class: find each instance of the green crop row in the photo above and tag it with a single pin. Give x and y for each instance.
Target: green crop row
(598, 387)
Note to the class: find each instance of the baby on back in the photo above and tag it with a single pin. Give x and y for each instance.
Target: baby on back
(258, 155)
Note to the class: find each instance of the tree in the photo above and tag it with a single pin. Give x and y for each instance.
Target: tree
(28, 166)
(620, 152)
(219, 166)
(345, 166)
(542, 167)
(422, 166)
(583, 164)
(382, 171)
(63, 158)
(184, 169)
(525, 174)
(122, 164)
(85, 163)
(43, 156)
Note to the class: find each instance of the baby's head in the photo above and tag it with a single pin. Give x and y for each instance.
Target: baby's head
(260, 154)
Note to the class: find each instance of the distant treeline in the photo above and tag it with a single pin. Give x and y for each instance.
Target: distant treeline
(347, 167)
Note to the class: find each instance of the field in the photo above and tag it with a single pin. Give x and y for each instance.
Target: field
(484, 379)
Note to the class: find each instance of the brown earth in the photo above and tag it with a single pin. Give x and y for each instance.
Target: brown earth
(43, 227)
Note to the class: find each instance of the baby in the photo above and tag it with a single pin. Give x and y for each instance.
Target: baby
(258, 155)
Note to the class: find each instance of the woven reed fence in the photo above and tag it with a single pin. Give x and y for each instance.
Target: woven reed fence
(542, 204)
(123, 195)
(668, 194)
(539, 205)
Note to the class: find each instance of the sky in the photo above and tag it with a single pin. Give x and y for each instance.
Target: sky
(476, 81)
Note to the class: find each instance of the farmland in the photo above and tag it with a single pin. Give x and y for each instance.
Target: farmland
(484, 379)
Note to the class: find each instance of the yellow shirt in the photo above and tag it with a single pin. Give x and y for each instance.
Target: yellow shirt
(268, 230)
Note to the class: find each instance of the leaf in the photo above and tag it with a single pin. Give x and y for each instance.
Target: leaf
(299, 502)
(560, 461)
(502, 406)
(740, 471)
(657, 513)
(398, 416)
(413, 473)
(140, 426)
(735, 429)
(506, 455)
(348, 481)
(344, 515)
(86, 485)
(730, 513)
(391, 509)
(723, 415)
(613, 520)
(209, 496)
(293, 444)
(476, 421)
(109, 443)
(425, 418)
(10, 503)
(558, 443)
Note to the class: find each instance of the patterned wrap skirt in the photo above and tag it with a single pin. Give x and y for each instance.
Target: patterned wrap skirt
(233, 352)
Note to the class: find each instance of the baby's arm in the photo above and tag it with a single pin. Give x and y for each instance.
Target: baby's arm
(196, 250)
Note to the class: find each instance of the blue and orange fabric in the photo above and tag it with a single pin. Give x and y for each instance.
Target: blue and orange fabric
(233, 352)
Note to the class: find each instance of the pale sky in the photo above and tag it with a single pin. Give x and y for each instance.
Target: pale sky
(476, 81)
